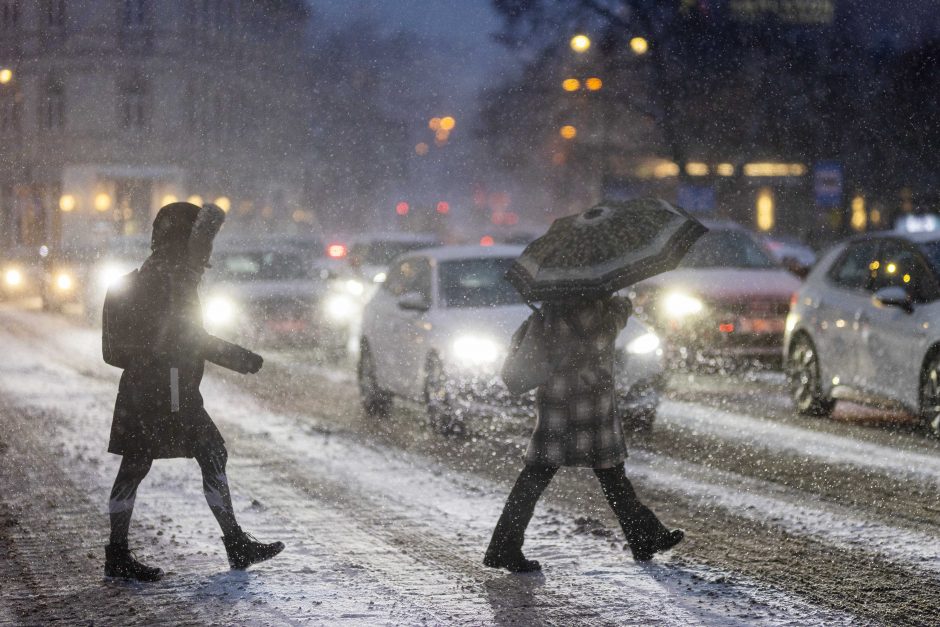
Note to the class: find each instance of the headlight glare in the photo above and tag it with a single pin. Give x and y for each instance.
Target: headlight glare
(13, 277)
(679, 305)
(643, 345)
(339, 308)
(474, 350)
(64, 281)
(220, 311)
(109, 276)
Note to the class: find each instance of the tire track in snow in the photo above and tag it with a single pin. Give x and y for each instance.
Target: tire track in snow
(779, 437)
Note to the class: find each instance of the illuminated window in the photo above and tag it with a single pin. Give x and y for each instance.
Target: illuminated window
(765, 209)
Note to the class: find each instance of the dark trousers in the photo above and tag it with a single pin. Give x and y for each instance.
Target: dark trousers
(211, 461)
(640, 525)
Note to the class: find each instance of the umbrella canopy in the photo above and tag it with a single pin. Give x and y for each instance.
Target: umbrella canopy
(606, 248)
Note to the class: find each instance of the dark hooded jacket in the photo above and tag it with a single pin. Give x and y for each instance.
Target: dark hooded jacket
(152, 327)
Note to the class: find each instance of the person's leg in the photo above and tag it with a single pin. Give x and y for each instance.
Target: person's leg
(505, 548)
(124, 494)
(119, 562)
(242, 549)
(212, 462)
(643, 530)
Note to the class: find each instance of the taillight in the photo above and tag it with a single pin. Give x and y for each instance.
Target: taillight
(336, 251)
(793, 299)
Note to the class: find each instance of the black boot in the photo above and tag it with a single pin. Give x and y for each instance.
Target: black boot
(505, 549)
(643, 550)
(120, 562)
(243, 550)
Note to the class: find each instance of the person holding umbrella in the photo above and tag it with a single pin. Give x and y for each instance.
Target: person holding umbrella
(152, 329)
(566, 351)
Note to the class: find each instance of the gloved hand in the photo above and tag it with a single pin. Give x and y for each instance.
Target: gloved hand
(254, 363)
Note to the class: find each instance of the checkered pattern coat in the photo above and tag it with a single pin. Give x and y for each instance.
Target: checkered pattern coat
(578, 423)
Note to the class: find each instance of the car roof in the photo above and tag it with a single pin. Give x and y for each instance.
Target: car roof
(452, 253)
(399, 236)
(917, 237)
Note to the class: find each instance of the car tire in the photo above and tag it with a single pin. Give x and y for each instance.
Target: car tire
(802, 371)
(437, 398)
(375, 401)
(930, 396)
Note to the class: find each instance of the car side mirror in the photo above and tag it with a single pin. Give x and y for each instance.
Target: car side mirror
(894, 297)
(793, 266)
(412, 301)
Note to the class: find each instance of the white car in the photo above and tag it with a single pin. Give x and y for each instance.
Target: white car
(866, 326)
(438, 329)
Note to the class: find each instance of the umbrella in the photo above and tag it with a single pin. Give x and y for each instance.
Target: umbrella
(606, 248)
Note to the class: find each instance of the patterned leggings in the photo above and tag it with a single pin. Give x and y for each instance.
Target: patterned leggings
(214, 483)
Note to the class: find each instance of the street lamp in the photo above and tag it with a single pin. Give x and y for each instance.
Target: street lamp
(571, 84)
(568, 131)
(639, 45)
(593, 83)
(580, 43)
(6, 75)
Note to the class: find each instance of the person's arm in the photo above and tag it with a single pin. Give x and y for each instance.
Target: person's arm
(228, 355)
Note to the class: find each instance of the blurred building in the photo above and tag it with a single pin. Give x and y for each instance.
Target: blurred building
(109, 109)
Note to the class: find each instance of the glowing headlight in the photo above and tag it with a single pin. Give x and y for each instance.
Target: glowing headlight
(679, 305)
(646, 343)
(354, 287)
(63, 281)
(109, 275)
(380, 277)
(339, 307)
(220, 311)
(473, 350)
(13, 277)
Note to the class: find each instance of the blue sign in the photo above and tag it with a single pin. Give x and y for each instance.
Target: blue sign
(696, 198)
(827, 184)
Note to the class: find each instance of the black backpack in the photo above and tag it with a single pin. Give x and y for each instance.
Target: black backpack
(119, 341)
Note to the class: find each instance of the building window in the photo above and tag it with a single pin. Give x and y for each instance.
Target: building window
(9, 112)
(135, 110)
(52, 106)
(9, 14)
(136, 13)
(54, 13)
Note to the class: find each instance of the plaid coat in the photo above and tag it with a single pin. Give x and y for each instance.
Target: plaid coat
(578, 423)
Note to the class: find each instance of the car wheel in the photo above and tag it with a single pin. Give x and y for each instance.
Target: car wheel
(438, 399)
(930, 396)
(375, 401)
(805, 384)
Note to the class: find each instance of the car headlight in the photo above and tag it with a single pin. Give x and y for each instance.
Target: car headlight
(678, 305)
(643, 345)
(64, 281)
(220, 311)
(339, 307)
(355, 287)
(474, 350)
(13, 277)
(379, 277)
(109, 276)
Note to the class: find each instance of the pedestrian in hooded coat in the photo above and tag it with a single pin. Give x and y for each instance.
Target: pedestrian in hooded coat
(152, 328)
(578, 425)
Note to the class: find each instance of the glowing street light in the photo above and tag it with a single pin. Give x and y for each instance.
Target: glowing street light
(6, 75)
(580, 43)
(448, 123)
(593, 83)
(571, 84)
(103, 201)
(639, 45)
(223, 203)
(67, 203)
(568, 131)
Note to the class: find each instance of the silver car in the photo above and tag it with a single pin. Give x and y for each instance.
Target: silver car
(865, 326)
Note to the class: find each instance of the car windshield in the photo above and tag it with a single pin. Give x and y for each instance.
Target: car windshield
(931, 251)
(727, 249)
(259, 266)
(477, 283)
(381, 253)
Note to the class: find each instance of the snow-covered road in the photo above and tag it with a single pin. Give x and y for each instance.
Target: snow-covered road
(386, 524)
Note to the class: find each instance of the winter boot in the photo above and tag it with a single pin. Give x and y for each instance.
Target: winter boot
(511, 559)
(243, 550)
(643, 548)
(120, 562)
